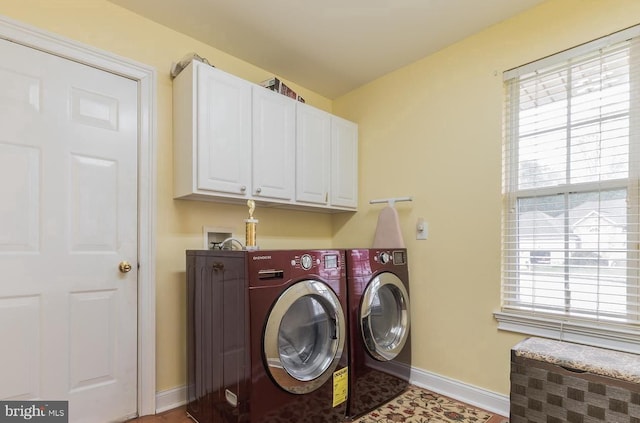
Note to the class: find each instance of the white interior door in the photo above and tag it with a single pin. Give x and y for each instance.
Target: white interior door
(68, 217)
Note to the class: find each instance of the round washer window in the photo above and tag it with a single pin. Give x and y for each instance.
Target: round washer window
(304, 337)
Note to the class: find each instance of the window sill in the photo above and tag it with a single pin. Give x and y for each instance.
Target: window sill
(581, 333)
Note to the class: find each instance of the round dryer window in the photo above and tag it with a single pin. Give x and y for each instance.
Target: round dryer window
(304, 337)
(384, 316)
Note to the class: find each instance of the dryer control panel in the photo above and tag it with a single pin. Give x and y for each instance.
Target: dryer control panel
(397, 257)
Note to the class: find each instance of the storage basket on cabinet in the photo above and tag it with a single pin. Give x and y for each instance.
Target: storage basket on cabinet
(553, 382)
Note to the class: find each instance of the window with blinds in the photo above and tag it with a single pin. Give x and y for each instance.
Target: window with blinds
(571, 221)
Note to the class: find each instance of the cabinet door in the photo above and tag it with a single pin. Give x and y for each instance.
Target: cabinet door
(344, 163)
(273, 145)
(313, 145)
(224, 134)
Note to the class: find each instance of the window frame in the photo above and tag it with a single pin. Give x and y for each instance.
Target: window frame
(623, 337)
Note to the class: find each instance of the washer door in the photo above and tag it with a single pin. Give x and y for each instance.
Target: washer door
(384, 316)
(304, 337)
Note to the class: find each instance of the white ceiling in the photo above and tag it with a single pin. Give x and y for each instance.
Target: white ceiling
(328, 46)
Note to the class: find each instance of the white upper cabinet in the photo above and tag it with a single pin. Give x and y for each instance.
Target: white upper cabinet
(274, 145)
(344, 163)
(234, 140)
(212, 133)
(313, 154)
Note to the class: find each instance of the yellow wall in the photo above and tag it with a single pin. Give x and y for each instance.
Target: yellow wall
(432, 130)
(179, 223)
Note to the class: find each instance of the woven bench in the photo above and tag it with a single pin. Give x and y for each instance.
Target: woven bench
(554, 382)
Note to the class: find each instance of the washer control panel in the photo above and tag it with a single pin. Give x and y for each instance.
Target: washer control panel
(305, 262)
(275, 266)
(308, 261)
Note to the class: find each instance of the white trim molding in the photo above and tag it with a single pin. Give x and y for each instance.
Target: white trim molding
(171, 398)
(145, 75)
(460, 391)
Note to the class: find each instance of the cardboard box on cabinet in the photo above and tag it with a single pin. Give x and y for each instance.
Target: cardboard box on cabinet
(274, 84)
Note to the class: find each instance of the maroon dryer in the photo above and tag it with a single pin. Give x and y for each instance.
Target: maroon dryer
(266, 338)
(379, 322)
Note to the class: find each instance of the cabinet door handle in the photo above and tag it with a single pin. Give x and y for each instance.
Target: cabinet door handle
(326, 197)
(243, 188)
(258, 190)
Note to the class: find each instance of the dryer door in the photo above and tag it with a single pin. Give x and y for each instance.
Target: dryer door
(384, 316)
(304, 337)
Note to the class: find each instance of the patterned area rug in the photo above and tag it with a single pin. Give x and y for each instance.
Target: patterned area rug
(418, 405)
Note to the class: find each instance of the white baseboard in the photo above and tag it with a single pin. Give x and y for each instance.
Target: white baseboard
(171, 398)
(469, 394)
(463, 392)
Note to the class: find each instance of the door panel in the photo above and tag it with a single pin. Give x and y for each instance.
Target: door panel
(20, 373)
(19, 210)
(91, 334)
(68, 168)
(19, 92)
(94, 109)
(93, 188)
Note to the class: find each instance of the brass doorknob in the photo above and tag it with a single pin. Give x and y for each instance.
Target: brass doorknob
(124, 266)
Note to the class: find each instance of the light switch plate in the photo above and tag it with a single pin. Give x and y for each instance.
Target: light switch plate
(422, 229)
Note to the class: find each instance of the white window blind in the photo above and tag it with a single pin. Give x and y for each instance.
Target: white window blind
(571, 221)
